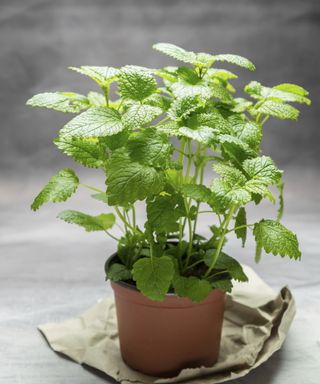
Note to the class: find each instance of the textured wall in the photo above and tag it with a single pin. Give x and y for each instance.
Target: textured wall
(40, 38)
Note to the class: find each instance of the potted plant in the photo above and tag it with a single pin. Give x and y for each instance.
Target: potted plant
(154, 140)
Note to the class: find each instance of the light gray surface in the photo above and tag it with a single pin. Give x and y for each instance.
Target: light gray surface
(49, 270)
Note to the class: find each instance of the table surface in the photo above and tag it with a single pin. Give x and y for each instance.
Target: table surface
(50, 271)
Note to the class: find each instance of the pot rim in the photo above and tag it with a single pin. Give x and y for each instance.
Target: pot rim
(133, 288)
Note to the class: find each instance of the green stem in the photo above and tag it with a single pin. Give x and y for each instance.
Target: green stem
(106, 94)
(133, 216)
(220, 244)
(112, 236)
(92, 188)
(125, 222)
(240, 227)
(161, 121)
(194, 264)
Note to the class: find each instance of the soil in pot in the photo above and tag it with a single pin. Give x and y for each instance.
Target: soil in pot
(162, 338)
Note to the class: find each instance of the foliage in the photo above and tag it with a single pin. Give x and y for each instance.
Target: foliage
(154, 143)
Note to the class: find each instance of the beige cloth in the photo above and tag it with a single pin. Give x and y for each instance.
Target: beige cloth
(256, 323)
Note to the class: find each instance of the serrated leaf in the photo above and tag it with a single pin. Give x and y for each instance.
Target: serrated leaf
(222, 284)
(183, 107)
(230, 174)
(235, 59)
(280, 186)
(150, 147)
(262, 169)
(102, 196)
(163, 212)
(115, 141)
(197, 192)
(95, 122)
(278, 109)
(136, 84)
(203, 135)
(212, 119)
(241, 219)
(118, 272)
(229, 194)
(90, 223)
(226, 263)
(183, 89)
(241, 105)
(275, 238)
(258, 91)
(220, 92)
(60, 101)
(86, 151)
(139, 114)
(59, 188)
(169, 128)
(153, 276)
(101, 75)
(247, 131)
(292, 88)
(129, 181)
(96, 99)
(221, 74)
(235, 148)
(191, 287)
(176, 52)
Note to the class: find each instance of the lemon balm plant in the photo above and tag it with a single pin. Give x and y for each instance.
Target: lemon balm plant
(130, 139)
(154, 141)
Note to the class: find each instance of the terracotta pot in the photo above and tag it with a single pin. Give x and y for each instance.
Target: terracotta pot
(161, 338)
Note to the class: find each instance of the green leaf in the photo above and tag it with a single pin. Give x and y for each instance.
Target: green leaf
(278, 109)
(237, 60)
(184, 89)
(241, 219)
(274, 238)
(118, 272)
(153, 276)
(60, 101)
(292, 88)
(203, 135)
(195, 289)
(136, 84)
(115, 141)
(218, 91)
(226, 263)
(262, 169)
(222, 284)
(197, 192)
(212, 119)
(230, 174)
(129, 181)
(102, 196)
(96, 99)
(163, 212)
(150, 147)
(101, 222)
(59, 188)
(258, 91)
(140, 114)
(86, 151)
(280, 186)
(235, 148)
(176, 52)
(183, 107)
(228, 194)
(247, 131)
(95, 122)
(101, 75)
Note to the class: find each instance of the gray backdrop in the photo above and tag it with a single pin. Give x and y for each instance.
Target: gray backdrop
(49, 270)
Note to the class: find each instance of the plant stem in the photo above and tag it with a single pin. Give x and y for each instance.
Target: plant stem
(112, 236)
(133, 216)
(125, 222)
(220, 244)
(161, 121)
(240, 227)
(92, 188)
